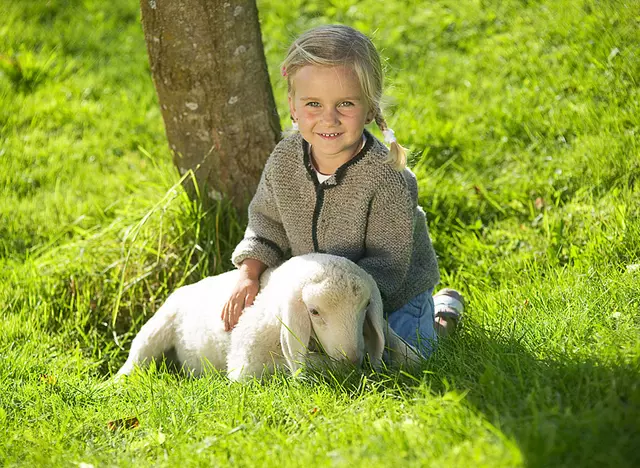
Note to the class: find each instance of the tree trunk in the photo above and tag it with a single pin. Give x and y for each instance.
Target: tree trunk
(209, 69)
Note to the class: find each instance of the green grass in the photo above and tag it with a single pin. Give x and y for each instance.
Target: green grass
(524, 122)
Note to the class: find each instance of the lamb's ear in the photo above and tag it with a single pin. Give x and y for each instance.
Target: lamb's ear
(401, 353)
(295, 332)
(374, 328)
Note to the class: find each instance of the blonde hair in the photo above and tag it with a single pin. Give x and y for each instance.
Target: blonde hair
(335, 45)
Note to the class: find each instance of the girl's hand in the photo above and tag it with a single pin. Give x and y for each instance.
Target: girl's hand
(242, 296)
(243, 293)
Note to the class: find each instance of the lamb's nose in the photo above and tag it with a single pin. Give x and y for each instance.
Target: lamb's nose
(354, 358)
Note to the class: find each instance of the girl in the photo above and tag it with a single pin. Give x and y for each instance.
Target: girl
(333, 187)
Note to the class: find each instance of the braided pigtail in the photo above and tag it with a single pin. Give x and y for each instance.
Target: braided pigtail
(397, 154)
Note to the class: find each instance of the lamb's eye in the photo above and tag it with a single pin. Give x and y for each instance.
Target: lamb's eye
(314, 312)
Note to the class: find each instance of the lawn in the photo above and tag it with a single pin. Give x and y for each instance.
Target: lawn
(523, 119)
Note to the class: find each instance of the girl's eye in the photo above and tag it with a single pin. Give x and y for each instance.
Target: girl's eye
(314, 312)
(313, 104)
(346, 104)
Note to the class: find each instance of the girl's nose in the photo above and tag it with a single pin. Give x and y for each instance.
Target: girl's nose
(330, 116)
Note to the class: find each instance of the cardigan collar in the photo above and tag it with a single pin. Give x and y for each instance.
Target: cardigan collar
(337, 177)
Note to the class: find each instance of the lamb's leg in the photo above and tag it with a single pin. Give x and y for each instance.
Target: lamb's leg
(154, 338)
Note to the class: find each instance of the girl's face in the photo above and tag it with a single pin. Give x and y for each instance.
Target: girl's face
(331, 111)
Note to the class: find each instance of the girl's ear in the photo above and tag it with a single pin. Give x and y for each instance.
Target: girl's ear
(292, 108)
(370, 116)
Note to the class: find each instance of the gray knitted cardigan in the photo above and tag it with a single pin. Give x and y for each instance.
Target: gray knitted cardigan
(366, 212)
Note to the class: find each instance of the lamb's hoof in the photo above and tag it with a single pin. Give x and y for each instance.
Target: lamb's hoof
(123, 373)
(119, 378)
(241, 375)
(236, 375)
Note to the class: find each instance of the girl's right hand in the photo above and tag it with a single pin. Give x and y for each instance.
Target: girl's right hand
(242, 296)
(244, 292)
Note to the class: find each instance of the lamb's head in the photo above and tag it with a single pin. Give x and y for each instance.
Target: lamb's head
(339, 305)
(337, 309)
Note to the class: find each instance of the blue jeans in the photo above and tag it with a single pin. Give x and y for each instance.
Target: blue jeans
(414, 322)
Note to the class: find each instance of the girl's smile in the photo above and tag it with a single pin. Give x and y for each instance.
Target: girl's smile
(330, 136)
(331, 112)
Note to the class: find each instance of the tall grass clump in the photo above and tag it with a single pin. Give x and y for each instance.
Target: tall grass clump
(109, 278)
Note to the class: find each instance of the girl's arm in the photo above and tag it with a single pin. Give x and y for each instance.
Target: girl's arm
(265, 238)
(265, 244)
(389, 236)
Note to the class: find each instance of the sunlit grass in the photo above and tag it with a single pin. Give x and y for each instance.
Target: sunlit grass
(523, 119)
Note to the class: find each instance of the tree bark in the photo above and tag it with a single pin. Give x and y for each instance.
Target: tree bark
(210, 73)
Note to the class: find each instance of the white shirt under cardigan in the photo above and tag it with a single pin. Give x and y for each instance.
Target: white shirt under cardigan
(322, 177)
(366, 212)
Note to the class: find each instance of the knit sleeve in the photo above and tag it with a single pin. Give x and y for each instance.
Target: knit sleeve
(389, 237)
(265, 238)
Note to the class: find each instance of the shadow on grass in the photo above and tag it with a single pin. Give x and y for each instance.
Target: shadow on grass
(565, 411)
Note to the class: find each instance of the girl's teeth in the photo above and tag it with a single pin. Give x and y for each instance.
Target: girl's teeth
(330, 134)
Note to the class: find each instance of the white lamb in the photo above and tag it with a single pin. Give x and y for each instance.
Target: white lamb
(310, 300)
